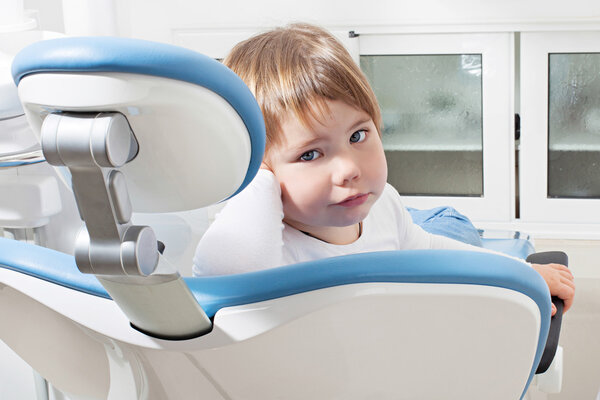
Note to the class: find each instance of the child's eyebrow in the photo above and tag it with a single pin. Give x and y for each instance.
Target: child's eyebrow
(316, 139)
(359, 122)
(306, 143)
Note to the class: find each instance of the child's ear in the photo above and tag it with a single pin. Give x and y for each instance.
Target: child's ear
(266, 164)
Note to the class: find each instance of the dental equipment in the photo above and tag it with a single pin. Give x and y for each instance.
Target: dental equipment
(150, 127)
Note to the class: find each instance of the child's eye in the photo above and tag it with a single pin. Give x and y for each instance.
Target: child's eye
(358, 136)
(310, 155)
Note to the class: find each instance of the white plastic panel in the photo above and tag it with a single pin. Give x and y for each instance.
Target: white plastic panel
(536, 204)
(194, 147)
(372, 340)
(85, 346)
(53, 345)
(384, 341)
(497, 114)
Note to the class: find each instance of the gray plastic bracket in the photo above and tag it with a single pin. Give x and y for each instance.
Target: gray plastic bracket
(93, 147)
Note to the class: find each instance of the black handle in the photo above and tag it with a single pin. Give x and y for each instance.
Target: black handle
(548, 257)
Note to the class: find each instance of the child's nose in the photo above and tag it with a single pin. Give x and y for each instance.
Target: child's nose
(346, 169)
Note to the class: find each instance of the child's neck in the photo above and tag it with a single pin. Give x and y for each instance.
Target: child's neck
(332, 234)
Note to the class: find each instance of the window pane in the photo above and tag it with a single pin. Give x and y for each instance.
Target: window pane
(432, 109)
(574, 126)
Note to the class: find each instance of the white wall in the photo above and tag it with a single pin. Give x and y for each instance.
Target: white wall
(158, 19)
(155, 19)
(50, 13)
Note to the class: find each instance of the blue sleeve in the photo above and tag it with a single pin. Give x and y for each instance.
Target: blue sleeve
(446, 221)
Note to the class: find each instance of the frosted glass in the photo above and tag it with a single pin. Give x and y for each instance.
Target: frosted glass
(574, 126)
(432, 121)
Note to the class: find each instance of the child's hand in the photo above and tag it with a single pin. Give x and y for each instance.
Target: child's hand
(560, 282)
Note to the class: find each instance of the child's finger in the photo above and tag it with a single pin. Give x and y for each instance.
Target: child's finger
(568, 304)
(566, 275)
(553, 309)
(566, 293)
(568, 282)
(562, 268)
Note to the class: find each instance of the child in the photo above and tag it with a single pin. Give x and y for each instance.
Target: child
(321, 190)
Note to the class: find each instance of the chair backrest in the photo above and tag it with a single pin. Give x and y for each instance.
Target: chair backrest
(412, 324)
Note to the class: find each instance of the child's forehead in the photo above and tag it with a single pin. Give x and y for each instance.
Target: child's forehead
(311, 115)
(319, 115)
(336, 118)
(295, 132)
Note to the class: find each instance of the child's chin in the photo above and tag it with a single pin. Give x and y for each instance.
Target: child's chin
(349, 221)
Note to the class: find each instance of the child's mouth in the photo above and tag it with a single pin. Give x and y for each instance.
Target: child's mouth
(354, 200)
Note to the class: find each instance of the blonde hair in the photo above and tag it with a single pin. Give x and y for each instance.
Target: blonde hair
(297, 69)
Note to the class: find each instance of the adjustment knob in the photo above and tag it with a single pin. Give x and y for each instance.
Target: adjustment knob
(139, 254)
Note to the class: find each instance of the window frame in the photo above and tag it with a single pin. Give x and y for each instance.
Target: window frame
(533, 153)
(497, 49)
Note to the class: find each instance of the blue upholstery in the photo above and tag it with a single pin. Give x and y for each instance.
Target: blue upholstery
(49, 265)
(19, 163)
(414, 266)
(112, 54)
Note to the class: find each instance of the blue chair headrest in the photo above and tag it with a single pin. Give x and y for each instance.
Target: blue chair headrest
(123, 55)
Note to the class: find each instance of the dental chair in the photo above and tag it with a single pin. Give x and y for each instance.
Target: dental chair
(151, 127)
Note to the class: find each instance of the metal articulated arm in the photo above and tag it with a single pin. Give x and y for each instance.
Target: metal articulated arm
(123, 256)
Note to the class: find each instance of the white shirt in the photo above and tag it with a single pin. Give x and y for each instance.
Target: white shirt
(249, 233)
